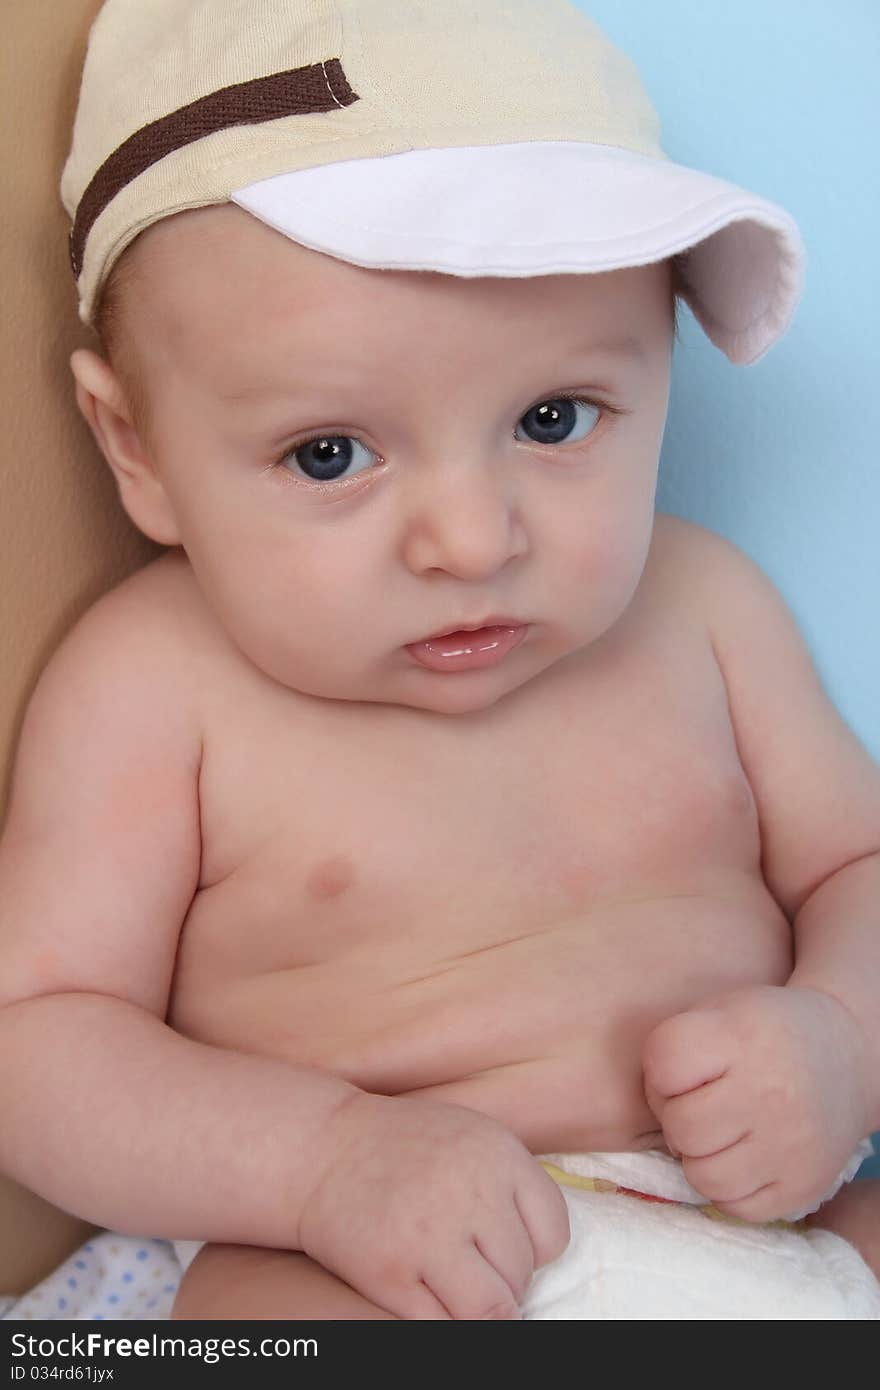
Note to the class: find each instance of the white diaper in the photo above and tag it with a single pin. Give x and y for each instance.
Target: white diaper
(677, 1258)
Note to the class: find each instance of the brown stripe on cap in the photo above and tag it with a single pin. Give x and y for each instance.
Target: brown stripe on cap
(297, 92)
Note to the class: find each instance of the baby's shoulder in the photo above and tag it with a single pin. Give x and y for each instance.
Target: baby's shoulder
(677, 546)
(137, 643)
(115, 716)
(692, 570)
(154, 610)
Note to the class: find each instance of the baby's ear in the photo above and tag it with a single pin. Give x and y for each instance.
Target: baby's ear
(105, 408)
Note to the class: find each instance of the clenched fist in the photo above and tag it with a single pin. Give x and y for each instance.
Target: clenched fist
(761, 1092)
(431, 1210)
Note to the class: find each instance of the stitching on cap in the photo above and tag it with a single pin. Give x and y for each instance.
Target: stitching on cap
(330, 85)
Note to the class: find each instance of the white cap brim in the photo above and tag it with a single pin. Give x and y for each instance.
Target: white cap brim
(550, 208)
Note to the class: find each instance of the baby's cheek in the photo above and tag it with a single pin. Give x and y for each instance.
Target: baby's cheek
(607, 568)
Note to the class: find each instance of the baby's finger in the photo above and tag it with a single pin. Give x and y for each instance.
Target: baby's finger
(704, 1121)
(413, 1301)
(471, 1288)
(508, 1249)
(733, 1174)
(759, 1206)
(544, 1214)
(684, 1052)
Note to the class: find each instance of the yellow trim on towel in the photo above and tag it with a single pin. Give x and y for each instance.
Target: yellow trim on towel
(564, 1179)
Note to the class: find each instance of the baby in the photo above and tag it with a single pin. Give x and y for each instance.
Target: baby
(434, 853)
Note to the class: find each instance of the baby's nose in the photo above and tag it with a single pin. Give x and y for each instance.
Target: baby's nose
(465, 521)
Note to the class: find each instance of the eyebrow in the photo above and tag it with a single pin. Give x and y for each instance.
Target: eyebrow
(627, 346)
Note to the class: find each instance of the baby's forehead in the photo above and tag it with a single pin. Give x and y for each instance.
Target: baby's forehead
(218, 273)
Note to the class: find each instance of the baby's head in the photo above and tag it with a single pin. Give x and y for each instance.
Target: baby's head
(456, 487)
(378, 405)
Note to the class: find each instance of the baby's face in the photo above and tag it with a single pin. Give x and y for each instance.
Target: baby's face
(358, 460)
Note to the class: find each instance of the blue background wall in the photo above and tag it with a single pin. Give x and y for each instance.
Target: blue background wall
(783, 457)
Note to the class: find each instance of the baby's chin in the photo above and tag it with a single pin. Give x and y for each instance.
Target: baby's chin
(463, 693)
(399, 681)
(431, 693)
(456, 697)
(547, 654)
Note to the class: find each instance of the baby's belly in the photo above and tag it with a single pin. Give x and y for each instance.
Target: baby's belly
(540, 1028)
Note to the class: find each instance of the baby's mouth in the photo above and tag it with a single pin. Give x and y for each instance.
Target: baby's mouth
(469, 649)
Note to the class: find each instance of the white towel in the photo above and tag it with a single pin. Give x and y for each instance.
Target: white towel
(672, 1259)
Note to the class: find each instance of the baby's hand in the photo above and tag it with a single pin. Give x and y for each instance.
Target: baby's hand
(760, 1093)
(431, 1210)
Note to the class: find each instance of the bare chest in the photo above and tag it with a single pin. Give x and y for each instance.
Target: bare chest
(337, 831)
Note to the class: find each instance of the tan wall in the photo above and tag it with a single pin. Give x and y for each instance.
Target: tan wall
(63, 537)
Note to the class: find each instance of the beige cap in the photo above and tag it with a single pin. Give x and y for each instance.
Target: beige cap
(471, 137)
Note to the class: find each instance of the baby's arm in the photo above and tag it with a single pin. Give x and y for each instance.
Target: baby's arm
(429, 1209)
(765, 1092)
(106, 1110)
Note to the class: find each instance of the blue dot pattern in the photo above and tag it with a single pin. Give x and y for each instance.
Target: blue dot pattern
(110, 1277)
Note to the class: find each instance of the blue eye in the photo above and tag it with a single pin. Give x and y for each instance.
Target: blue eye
(327, 459)
(552, 421)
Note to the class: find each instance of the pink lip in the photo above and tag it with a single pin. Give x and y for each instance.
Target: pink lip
(470, 648)
(491, 621)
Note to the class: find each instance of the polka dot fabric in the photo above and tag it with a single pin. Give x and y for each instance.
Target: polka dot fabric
(110, 1278)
